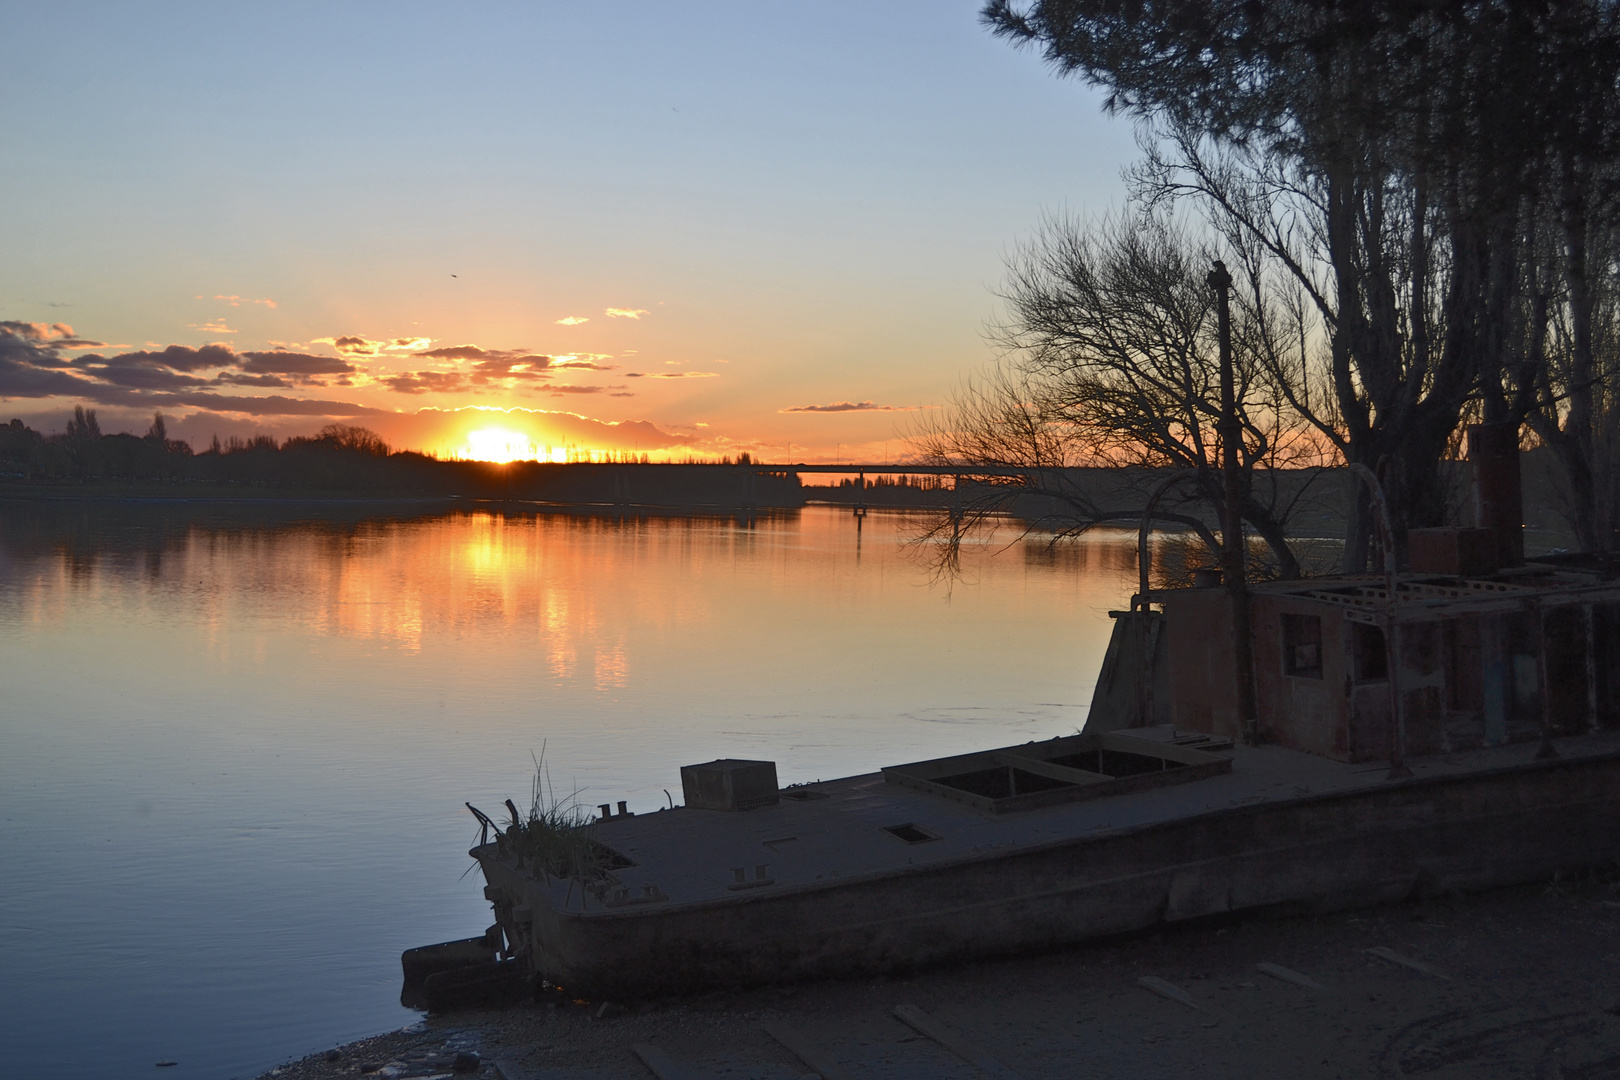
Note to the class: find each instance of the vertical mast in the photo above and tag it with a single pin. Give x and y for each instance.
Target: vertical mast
(1233, 554)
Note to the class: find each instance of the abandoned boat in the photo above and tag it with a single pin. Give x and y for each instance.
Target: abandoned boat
(1452, 727)
(1034, 846)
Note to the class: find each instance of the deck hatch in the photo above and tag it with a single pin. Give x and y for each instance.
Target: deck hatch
(910, 833)
(1057, 771)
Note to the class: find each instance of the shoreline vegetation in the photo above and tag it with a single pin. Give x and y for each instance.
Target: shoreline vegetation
(344, 463)
(352, 463)
(343, 471)
(351, 469)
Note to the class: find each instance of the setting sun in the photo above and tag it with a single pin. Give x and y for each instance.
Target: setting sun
(501, 445)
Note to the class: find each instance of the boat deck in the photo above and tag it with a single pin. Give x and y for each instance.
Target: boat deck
(841, 832)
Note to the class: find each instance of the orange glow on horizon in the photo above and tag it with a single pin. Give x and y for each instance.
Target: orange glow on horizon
(503, 445)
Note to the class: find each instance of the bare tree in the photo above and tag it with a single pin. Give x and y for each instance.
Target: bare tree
(1400, 164)
(350, 437)
(1578, 380)
(1110, 358)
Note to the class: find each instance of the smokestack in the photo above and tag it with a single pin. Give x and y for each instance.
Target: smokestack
(1493, 451)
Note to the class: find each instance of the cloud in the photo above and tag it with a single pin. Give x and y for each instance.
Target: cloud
(176, 357)
(587, 390)
(35, 363)
(848, 406)
(136, 371)
(213, 326)
(31, 366)
(523, 366)
(350, 345)
(355, 345)
(230, 378)
(238, 301)
(625, 313)
(273, 405)
(455, 352)
(29, 369)
(672, 375)
(286, 362)
(422, 382)
(37, 332)
(56, 335)
(494, 365)
(573, 320)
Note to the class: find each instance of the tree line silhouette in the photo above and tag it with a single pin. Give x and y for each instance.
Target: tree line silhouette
(350, 460)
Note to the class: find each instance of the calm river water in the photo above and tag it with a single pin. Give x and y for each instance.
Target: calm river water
(235, 741)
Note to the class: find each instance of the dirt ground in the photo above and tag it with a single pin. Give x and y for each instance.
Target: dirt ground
(1521, 982)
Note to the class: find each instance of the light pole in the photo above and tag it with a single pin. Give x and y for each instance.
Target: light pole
(1233, 554)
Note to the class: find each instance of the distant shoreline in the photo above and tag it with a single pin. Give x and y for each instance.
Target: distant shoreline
(124, 493)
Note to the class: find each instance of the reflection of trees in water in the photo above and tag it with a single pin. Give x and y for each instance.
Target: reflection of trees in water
(85, 532)
(81, 531)
(1174, 555)
(358, 571)
(1111, 551)
(587, 600)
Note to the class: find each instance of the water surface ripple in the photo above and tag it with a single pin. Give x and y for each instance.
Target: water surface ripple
(235, 741)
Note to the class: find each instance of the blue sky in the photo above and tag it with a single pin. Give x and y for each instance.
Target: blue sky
(789, 205)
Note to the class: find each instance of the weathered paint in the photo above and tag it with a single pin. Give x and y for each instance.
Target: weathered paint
(1377, 842)
(1517, 656)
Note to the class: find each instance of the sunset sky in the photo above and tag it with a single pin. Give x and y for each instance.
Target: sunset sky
(676, 228)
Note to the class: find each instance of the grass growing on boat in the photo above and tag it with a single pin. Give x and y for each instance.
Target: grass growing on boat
(555, 838)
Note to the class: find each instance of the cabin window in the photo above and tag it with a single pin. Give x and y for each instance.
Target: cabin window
(1369, 653)
(1302, 646)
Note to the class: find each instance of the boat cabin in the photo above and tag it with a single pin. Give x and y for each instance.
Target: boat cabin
(1473, 646)
(1478, 660)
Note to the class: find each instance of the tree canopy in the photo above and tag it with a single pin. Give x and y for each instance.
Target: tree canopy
(1433, 175)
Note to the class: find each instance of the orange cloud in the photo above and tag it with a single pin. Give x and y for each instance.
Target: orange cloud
(573, 320)
(849, 406)
(355, 345)
(625, 313)
(54, 336)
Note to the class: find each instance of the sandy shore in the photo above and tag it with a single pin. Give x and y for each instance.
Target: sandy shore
(1517, 983)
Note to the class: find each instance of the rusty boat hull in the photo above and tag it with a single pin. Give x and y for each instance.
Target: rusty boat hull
(866, 875)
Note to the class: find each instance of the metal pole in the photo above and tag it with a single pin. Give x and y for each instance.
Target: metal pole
(1233, 560)
(1591, 667)
(1547, 749)
(1141, 610)
(1392, 649)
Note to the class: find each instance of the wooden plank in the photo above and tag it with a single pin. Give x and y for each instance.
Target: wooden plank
(1277, 971)
(953, 1042)
(806, 1051)
(1057, 772)
(660, 1063)
(1132, 744)
(1169, 990)
(1406, 961)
